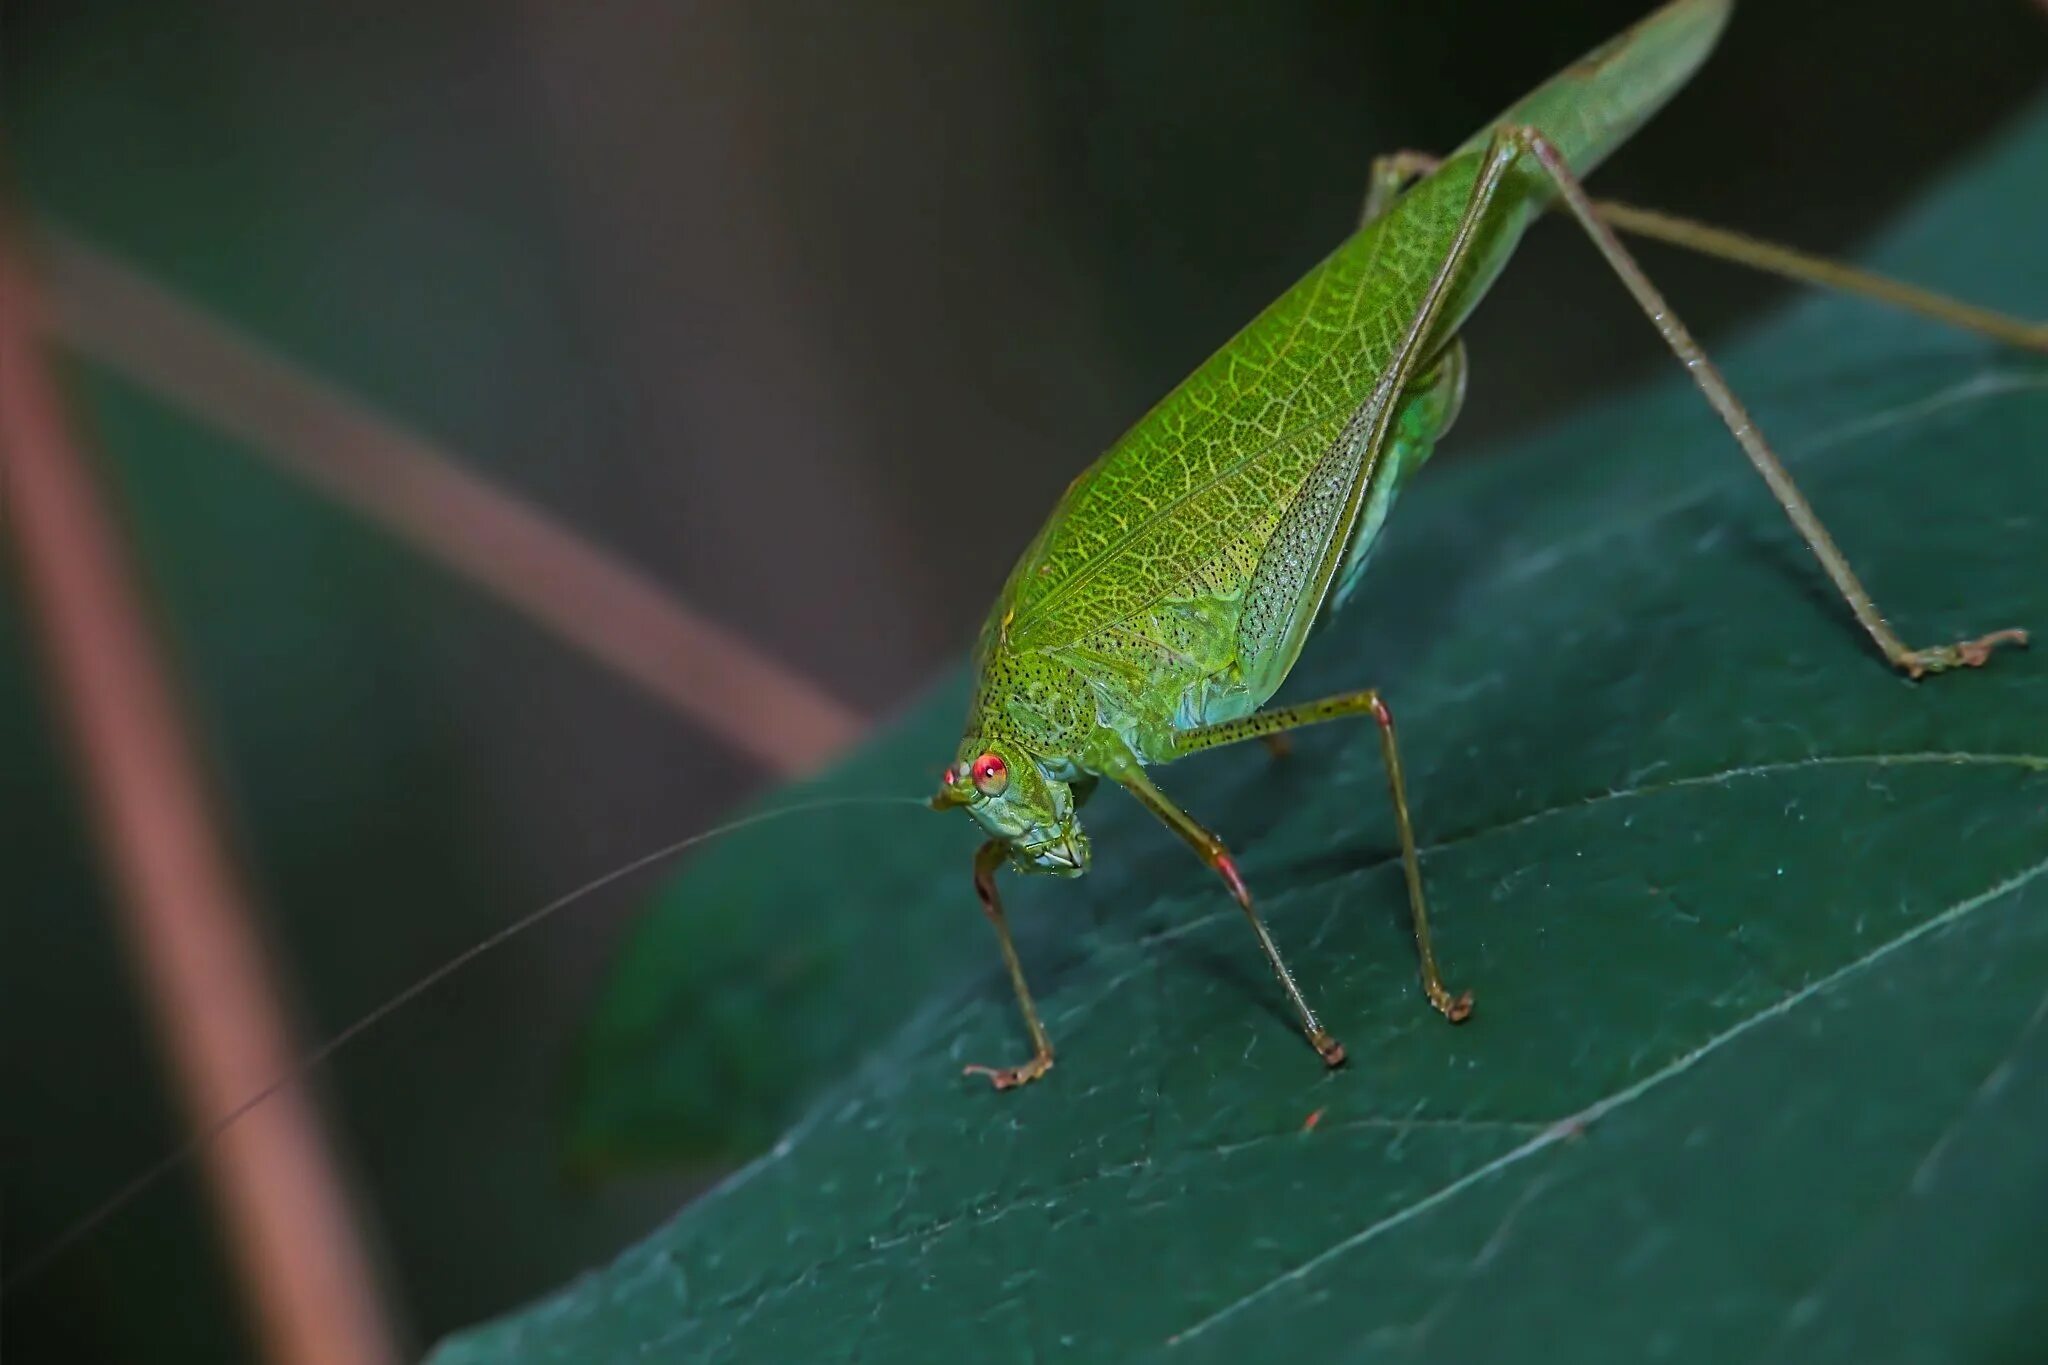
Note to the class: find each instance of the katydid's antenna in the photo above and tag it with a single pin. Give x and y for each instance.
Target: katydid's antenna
(34, 1264)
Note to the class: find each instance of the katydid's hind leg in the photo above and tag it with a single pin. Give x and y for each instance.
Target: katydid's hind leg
(1739, 248)
(1456, 1007)
(1213, 852)
(1913, 662)
(986, 862)
(1392, 173)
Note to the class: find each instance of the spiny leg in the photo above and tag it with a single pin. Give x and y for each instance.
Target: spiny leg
(1913, 662)
(1212, 851)
(1391, 174)
(990, 858)
(1805, 268)
(1367, 701)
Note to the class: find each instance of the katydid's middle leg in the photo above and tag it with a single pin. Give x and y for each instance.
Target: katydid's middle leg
(1268, 724)
(1217, 856)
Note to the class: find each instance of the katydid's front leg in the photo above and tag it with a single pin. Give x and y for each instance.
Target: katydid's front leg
(991, 857)
(1268, 725)
(1217, 856)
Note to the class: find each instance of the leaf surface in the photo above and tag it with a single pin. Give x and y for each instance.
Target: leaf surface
(1758, 933)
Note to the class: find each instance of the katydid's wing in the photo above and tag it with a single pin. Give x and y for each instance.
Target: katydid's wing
(1186, 502)
(1188, 499)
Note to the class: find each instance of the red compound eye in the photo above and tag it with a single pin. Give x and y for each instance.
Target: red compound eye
(991, 775)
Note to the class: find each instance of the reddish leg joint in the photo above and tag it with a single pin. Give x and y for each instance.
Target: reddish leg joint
(1227, 869)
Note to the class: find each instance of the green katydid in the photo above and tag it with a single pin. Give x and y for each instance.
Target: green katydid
(1170, 593)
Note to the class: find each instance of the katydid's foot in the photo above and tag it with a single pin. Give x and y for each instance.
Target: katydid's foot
(1328, 1048)
(1457, 1009)
(1280, 746)
(1968, 654)
(1010, 1077)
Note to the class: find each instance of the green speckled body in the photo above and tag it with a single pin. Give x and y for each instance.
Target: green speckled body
(1176, 580)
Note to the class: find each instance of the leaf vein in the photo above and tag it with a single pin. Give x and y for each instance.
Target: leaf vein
(1575, 1123)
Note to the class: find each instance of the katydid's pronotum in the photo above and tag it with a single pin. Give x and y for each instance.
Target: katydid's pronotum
(1171, 591)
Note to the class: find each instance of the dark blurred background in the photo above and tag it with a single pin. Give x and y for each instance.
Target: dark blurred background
(808, 312)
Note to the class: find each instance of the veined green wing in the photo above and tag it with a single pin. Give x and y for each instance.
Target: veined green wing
(1188, 500)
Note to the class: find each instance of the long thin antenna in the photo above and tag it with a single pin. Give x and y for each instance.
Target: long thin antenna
(37, 1262)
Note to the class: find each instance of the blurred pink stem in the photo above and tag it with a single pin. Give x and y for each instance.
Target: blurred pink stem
(287, 1222)
(420, 494)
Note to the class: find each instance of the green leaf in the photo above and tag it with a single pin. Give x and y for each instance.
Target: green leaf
(1758, 933)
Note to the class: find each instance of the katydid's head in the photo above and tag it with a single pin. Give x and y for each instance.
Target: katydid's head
(1012, 798)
